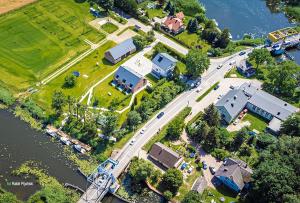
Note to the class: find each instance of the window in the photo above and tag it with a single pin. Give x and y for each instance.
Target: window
(160, 59)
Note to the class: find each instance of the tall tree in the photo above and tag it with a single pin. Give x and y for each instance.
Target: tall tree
(196, 63)
(192, 197)
(260, 56)
(172, 180)
(58, 101)
(106, 4)
(291, 126)
(224, 39)
(108, 122)
(175, 129)
(133, 119)
(212, 116)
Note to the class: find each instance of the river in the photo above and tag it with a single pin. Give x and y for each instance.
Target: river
(19, 143)
(247, 16)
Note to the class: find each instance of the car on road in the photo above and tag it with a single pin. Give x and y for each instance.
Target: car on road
(232, 63)
(183, 166)
(220, 96)
(204, 165)
(216, 87)
(242, 53)
(220, 66)
(161, 114)
(190, 169)
(231, 87)
(132, 141)
(212, 170)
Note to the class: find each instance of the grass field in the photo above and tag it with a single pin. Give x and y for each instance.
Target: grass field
(90, 73)
(109, 27)
(192, 40)
(101, 93)
(39, 38)
(256, 121)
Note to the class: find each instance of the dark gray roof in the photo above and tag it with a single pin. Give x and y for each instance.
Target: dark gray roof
(245, 65)
(237, 170)
(234, 102)
(122, 48)
(277, 107)
(164, 61)
(131, 76)
(249, 89)
(200, 184)
(164, 155)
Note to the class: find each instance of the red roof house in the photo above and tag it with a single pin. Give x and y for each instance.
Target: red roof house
(174, 24)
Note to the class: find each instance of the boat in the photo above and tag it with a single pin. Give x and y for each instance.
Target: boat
(230, 36)
(51, 133)
(277, 50)
(65, 140)
(79, 148)
(215, 21)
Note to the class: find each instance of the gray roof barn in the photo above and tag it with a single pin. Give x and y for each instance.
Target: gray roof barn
(165, 155)
(130, 76)
(277, 107)
(234, 102)
(164, 61)
(237, 170)
(122, 49)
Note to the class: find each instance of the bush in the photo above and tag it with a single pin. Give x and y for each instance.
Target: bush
(35, 111)
(220, 154)
(6, 97)
(168, 195)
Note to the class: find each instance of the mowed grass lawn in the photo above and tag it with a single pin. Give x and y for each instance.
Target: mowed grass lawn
(256, 121)
(90, 73)
(105, 93)
(39, 38)
(192, 40)
(109, 27)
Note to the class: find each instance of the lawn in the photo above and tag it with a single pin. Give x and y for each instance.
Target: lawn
(256, 121)
(192, 40)
(155, 13)
(109, 27)
(90, 73)
(105, 93)
(39, 38)
(213, 194)
(234, 71)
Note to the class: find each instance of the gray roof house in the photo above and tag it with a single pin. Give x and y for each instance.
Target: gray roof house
(257, 101)
(246, 68)
(121, 51)
(163, 65)
(165, 155)
(231, 104)
(128, 80)
(235, 174)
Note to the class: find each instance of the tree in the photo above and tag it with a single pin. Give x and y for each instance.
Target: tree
(133, 119)
(211, 35)
(192, 26)
(224, 39)
(8, 197)
(240, 138)
(201, 18)
(211, 141)
(192, 197)
(291, 126)
(129, 6)
(108, 122)
(140, 170)
(172, 180)
(196, 63)
(172, 10)
(6, 97)
(277, 174)
(282, 80)
(140, 42)
(175, 129)
(260, 56)
(168, 6)
(70, 81)
(168, 195)
(264, 140)
(210, 24)
(58, 101)
(211, 115)
(106, 4)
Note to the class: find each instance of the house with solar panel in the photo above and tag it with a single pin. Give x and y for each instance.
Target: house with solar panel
(128, 80)
(163, 65)
(121, 51)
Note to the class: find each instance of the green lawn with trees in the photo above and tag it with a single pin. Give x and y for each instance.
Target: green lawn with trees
(109, 27)
(39, 38)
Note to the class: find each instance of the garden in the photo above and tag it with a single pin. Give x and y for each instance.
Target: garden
(39, 38)
(109, 27)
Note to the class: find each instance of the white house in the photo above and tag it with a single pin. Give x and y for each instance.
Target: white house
(163, 65)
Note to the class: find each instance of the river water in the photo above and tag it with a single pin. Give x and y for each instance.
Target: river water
(19, 143)
(247, 16)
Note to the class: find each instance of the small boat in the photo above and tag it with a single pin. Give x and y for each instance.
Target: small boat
(65, 140)
(51, 133)
(79, 148)
(230, 36)
(215, 21)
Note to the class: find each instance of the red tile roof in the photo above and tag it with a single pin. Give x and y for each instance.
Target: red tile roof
(173, 23)
(180, 15)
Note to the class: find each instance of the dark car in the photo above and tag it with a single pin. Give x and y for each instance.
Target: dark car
(204, 165)
(216, 87)
(242, 53)
(160, 115)
(212, 170)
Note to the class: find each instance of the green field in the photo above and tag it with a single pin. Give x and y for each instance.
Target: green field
(109, 27)
(39, 38)
(90, 73)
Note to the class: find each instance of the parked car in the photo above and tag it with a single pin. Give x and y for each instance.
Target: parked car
(204, 165)
(242, 53)
(220, 66)
(220, 96)
(190, 169)
(231, 87)
(232, 62)
(160, 115)
(183, 166)
(212, 170)
(216, 87)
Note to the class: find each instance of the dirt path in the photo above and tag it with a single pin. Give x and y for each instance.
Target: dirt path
(9, 5)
